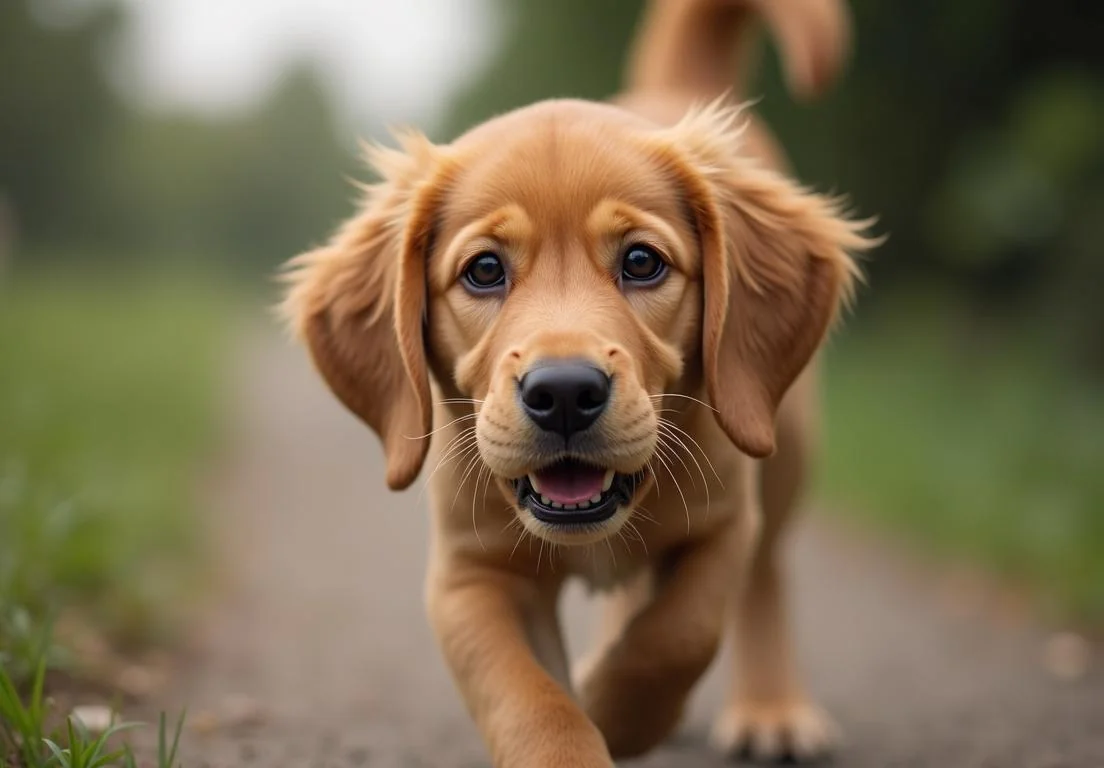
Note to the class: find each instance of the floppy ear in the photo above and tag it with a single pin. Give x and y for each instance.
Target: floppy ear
(359, 304)
(775, 268)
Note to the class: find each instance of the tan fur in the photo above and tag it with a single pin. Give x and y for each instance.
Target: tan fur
(704, 366)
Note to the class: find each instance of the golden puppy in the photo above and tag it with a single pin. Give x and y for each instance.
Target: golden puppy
(588, 316)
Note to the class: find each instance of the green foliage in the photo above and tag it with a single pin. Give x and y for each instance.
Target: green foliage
(108, 407)
(984, 453)
(258, 187)
(27, 741)
(81, 172)
(84, 750)
(570, 48)
(56, 112)
(22, 725)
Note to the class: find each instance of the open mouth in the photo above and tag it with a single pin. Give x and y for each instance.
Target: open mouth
(570, 492)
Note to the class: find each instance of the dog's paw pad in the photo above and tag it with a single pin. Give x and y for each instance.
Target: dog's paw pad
(798, 731)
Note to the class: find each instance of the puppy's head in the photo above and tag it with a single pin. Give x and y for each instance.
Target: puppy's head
(562, 268)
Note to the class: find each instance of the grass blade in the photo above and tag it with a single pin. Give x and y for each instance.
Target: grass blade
(176, 738)
(92, 758)
(61, 756)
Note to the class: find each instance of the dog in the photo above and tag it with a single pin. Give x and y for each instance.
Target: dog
(597, 323)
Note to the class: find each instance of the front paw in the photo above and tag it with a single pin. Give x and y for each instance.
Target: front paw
(773, 732)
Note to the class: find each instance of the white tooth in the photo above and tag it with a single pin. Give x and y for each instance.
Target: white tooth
(546, 501)
(608, 481)
(584, 505)
(570, 507)
(533, 482)
(596, 498)
(555, 505)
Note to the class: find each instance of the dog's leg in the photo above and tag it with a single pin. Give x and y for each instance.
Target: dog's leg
(768, 713)
(489, 624)
(637, 691)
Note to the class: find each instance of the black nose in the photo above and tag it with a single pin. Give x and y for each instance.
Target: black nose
(566, 396)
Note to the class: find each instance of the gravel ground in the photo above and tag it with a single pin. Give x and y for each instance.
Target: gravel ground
(317, 652)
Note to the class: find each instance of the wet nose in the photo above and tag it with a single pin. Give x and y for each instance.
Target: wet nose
(564, 396)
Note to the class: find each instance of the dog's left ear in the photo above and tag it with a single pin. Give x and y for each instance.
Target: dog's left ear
(359, 304)
(776, 267)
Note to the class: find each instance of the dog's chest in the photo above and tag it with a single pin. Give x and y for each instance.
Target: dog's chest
(605, 565)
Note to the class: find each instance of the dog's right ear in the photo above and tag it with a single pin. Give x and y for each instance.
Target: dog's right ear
(777, 265)
(359, 304)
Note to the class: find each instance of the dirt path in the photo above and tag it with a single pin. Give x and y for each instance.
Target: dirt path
(322, 623)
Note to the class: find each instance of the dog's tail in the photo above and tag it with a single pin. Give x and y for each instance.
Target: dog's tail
(709, 47)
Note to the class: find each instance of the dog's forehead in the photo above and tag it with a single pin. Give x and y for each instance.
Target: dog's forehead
(557, 161)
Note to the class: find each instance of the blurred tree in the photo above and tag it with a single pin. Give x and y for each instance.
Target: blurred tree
(250, 191)
(570, 48)
(82, 175)
(56, 111)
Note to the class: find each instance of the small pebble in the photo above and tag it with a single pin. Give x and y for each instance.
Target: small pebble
(137, 681)
(97, 718)
(241, 711)
(1067, 656)
(203, 722)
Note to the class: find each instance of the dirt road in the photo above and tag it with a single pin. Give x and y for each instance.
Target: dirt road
(322, 627)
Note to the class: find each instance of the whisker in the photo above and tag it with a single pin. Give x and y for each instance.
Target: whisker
(487, 485)
(473, 462)
(523, 534)
(655, 476)
(464, 433)
(672, 452)
(460, 401)
(432, 432)
(705, 481)
(475, 527)
(458, 447)
(645, 515)
(668, 451)
(636, 531)
(686, 397)
(697, 445)
(460, 444)
(513, 522)
(467, 452)
(624, 541)
(678, 488)
(613, 555)
(665, 430)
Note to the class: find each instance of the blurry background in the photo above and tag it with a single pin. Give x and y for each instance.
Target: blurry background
(159, 158)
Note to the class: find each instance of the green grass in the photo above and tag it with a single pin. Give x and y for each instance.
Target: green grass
(108, 412)
(985, 450)
(28, 740)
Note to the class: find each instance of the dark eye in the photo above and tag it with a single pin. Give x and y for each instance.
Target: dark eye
(485, 272)
(642, 264)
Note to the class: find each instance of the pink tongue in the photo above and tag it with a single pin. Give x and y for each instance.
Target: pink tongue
(570, 483)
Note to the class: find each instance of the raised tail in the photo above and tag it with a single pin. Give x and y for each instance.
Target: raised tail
(709, 47)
